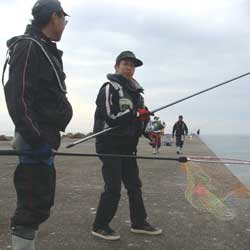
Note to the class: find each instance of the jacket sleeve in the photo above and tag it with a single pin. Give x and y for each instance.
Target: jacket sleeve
(19, 91)
(186, 128)
(174, 129)
(108, 104)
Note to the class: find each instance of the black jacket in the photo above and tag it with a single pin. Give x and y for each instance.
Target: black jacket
(117, 106)
(180, 128)
(35, 94)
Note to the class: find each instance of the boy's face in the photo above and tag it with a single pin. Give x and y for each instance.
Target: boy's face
(126, 68)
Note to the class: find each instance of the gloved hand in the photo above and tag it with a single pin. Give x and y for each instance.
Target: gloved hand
(143, 114)
(41, 152)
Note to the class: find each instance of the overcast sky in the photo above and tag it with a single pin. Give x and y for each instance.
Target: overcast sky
(186, 46)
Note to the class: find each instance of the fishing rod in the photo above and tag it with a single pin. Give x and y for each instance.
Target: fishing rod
(182, 159)
(158, 109)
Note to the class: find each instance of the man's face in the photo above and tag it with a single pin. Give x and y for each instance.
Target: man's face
(58, 24)
(126, 68)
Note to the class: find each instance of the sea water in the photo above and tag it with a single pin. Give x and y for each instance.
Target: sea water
(232, 146)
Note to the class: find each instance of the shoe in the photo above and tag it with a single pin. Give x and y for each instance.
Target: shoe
(19, 243)
(146, 229)
(105, 233)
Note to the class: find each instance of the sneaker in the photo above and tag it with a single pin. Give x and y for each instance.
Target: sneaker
(106, 234)
(146, 229)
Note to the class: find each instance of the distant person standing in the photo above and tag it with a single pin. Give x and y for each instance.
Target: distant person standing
(155, 130)
(180, 129)
(36, 99)
(198, 132)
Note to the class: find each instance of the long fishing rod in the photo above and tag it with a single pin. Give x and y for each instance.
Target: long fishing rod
(19, 153)
(161, 108)
(182, 159)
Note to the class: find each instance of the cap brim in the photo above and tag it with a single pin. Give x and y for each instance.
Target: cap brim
(138, 62)
(65, 14)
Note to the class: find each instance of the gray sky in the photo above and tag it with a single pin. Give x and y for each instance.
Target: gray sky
(186, 46)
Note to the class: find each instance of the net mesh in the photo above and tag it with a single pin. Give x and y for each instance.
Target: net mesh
(210, 187)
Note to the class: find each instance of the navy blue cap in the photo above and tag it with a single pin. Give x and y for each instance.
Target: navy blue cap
(129, 55)
(46, 8)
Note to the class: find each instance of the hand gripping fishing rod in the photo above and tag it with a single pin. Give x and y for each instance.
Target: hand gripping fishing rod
(158, 109)
(182, 159)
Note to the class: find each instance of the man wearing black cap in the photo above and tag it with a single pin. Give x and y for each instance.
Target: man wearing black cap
(120, 103)
(36, 100)
(180, 129)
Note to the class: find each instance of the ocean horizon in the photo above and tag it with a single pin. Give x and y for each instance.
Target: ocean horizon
(232, 146)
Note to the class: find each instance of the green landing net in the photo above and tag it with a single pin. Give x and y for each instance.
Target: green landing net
(208, 195)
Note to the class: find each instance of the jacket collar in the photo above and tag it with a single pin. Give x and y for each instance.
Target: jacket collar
(132, 85)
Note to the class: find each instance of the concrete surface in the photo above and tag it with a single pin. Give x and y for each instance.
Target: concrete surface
(79, 184)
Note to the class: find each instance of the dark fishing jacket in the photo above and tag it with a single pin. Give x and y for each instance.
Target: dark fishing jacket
(35, 91)
(180, 128)
(117, 103)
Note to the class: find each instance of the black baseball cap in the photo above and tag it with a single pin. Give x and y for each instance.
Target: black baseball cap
(129, 55)
(46, 7)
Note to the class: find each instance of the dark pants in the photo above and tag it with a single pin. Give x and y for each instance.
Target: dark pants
(115, 171)
(35, 188)
(179, 141)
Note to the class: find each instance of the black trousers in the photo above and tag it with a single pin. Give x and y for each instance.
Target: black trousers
(179, 141)
(35, 188)
(115, 171)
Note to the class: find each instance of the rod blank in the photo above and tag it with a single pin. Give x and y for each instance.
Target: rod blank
(18, 153)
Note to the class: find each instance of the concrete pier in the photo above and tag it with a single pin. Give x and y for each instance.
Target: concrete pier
(79, 185)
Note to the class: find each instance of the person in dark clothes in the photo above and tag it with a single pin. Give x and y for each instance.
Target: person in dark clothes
(36, 99)
(180, 129)
(120, 103)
